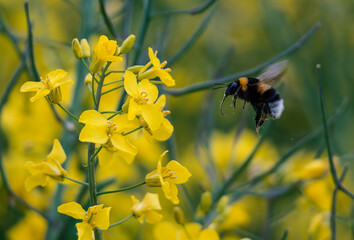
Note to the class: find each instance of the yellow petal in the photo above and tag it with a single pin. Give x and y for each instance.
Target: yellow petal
(152, 200)
(125, 156)
(122, 143)
(152, 116)
(31, 86)
(164, 132)
(170, 191)
(130, 84)
(152, 217)
(113, 59)
(102, 218)
(166, 78)
(94, 134)
(105, 157)
(124, 124)
(182, 173)
(208, 234)
(35, 180)
(133, 110)
(84, 231)
(56, 75)
(154, 60)
(165, 230)
(40, 93)
(161, 102)
(193, 230)
(57, 152)
(72, 209)
(93, 117)
(150, 89)
(63, 83)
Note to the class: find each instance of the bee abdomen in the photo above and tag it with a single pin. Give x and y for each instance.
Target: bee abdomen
(275, 103)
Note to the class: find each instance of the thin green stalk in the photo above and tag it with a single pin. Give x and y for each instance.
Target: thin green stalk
(333, 206)
(121, 221)
(107, 20)
(100, 85)
(136, 129)
(193, 11)
(111, 90)
(11, 35)
(115, 71)
(121, 189)
(67, 111)
(327, 136)
(91, 172)
(115, 114)
(192, 40)
(116, 81)
(77, 181)
(211, 83)
(30, 45)
(92, 82)
(285, 234)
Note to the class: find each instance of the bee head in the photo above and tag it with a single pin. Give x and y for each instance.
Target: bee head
(231, 89)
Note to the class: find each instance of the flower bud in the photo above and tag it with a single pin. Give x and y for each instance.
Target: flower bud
(55, 95)
(86, 50)
(76, 47)
(135, 69)
(222, 204)
(127, 44)
(152, 179)
(178, 215)
(88, 79)
(205, 202)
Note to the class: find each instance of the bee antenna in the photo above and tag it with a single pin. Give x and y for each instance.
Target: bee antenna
(218, 87)
(222, 101)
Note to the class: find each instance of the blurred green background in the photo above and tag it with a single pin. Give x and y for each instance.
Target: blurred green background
(239, 35)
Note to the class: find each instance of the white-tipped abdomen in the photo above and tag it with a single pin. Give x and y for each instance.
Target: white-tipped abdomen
(276, 108)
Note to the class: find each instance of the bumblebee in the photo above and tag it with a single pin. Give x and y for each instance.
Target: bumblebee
(264, 99)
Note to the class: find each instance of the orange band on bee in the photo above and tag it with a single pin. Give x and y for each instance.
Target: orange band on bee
(243, 83)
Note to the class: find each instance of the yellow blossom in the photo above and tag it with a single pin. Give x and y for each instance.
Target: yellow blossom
(165, 130)
(104, 52)
(31, 227)
(146, 208)
(142, 97)
(109, 133)
(49, 168)
(157, 70)
(86, 50)
(314, 169)
(48, 86)
(95, 217)
(319, 226)
(167, 177)
(190, 231)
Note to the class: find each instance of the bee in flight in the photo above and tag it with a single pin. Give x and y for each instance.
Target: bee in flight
(264, 99)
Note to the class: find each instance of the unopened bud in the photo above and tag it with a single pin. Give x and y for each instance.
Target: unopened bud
(127, 44)
(76, 47)
(205, 202)
(222, 204)
(178, 215)
(55, 95)
(86, 50)
(135, 69)
(88, 79)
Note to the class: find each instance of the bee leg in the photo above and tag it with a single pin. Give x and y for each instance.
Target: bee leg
(234, 102)
(244, 104)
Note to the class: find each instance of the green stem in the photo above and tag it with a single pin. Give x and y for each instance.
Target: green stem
(121, 189)
(211, 83)
(115, 71)
(116, 81)
(328, 139)
(100, 85)
(67, 111)
(77, 181)
(193, 11)
(30, 45)
(285, 234)
(111, 90)
(121, 221)
(192, 40)
(136, 129)
(107, 20)
(115, 114)
(333, 207)
(11, 35)
(92, 82)
(91, 172)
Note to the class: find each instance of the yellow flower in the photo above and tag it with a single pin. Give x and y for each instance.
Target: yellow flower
(190, 231)
(319, 226)
(141, 100)
(167, 177)
(109, 133)
(145, 208)
(165, 130)
(157, 70)
(49, 168)
(104, 52)
(95, 217)
(313, 169)
(48, 86)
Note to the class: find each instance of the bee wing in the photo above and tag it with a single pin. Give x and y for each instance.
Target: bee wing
(273, 73)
